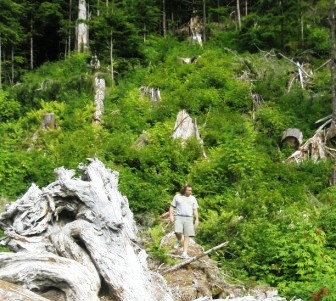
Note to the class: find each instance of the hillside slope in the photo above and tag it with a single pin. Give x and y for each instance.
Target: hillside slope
(278, 217)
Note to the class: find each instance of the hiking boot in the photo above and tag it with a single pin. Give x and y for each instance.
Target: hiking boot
(176, 244)
(185, 255)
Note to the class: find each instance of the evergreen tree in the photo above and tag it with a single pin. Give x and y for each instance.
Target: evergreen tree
(146, 16)
(114, 21)
(11, 36)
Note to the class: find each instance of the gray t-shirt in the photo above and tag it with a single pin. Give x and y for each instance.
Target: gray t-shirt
(184, 205)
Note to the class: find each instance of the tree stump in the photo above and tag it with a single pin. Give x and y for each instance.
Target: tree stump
(185, 127)
(76, 235)
(49, 121)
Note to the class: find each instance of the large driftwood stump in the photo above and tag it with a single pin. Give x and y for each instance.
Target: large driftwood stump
(76, 235)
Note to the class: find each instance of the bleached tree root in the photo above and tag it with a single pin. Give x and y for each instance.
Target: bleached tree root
(81, 227)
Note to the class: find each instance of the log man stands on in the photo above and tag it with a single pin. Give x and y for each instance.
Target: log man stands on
(186, 208)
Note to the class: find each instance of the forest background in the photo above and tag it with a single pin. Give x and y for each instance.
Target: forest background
(278, 216)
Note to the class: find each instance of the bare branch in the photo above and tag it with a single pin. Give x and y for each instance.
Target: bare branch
(186, 262)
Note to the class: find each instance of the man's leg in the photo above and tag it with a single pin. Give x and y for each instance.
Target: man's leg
(188, 231)
(178, 242)
(178, 229)
(186, 244)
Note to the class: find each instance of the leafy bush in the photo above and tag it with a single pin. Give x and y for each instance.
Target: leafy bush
(154, 248)
(9, 108)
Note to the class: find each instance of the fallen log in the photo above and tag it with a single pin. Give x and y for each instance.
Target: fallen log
(192, 259)
(292, 136)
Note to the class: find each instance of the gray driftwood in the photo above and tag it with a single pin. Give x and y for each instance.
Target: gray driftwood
(12, 292)
(76, 235)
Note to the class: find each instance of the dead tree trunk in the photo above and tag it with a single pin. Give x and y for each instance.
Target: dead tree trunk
(82, 227)
(111, 58)
(195, 26)
(69, 30)
(31, 45)
(238, 14)
(82, 28)
(99, 87)
(204, 20)
(164, 29)
(12, 66)
(99, 98)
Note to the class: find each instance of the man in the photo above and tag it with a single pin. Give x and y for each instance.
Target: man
(186, 208)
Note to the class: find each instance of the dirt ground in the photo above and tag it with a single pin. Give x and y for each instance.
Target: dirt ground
(198, 279)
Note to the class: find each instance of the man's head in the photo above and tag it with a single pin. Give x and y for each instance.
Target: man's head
(186, 190)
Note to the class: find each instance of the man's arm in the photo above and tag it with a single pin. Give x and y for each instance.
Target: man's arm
(171, 216)
(196, 217)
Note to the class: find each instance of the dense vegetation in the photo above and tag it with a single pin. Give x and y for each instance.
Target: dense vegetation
(33, 32)
(278, 217)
